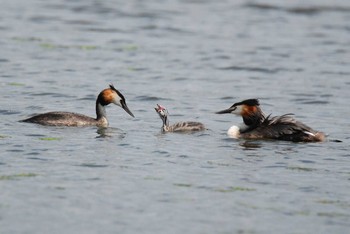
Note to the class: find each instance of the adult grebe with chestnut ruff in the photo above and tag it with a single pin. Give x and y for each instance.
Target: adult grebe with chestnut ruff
(59, 118)
(257, 126)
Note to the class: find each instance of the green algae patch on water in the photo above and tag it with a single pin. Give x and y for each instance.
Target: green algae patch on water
(131, 69)
(183, 185)
(333, 214)
(4, 136)
(152, 178)
(326, 202)
(302, 213)
(235, 189)
(296, 168)
(48, 46)
(17, 176)
(87, 47)
(50, 138)
(333, 202)
(218, 163)
(130, 47)
(15, 84)
(26, 39)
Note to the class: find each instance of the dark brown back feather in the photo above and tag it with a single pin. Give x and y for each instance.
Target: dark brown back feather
(283, 127)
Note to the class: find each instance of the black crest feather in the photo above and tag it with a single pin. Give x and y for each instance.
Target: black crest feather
(120, 95)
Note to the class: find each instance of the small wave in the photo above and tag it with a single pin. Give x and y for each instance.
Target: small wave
(53, 95)
(37, 158)
(299, 95)
(80, 22)
(227, 98)
(309, 102)
(307, 161)
(252, 69)
(180, 79)
(88, 97)
(341, 73)
(105, 30)
(307, 10)
(315, 102)
(177, 30)
(9, 112)
(149, 98)
(160, 152)
(42, 19)
(93, 165)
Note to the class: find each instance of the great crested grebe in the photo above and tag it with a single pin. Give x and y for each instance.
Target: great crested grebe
(178, 127)
(258, 126)
(107, 96)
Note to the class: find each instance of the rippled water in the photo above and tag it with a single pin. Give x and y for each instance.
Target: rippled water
(194, 57)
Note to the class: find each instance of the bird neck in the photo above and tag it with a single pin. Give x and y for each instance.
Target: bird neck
(253, 119)
(100, 110)
(165, 123)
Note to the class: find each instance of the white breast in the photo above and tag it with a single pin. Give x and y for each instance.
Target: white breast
(233, 132)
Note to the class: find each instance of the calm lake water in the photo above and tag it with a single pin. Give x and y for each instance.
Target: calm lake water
(194, 57)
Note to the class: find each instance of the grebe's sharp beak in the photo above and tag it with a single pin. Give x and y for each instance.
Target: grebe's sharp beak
(125, 107)
(157, 108)
(227, 111)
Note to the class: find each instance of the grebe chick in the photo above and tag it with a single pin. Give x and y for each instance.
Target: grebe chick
(178, 127)
(107, 96)
(258, 126)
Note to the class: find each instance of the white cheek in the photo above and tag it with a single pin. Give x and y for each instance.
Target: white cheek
(237, 111)
(233, 132)
(117, 100)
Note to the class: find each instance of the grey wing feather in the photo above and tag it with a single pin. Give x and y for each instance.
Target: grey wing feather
(187, 126)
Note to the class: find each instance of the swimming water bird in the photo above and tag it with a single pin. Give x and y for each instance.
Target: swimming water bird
(106, 97)
(178, 127)
(257, 126)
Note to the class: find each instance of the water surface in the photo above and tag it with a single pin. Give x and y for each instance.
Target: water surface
(195, 58)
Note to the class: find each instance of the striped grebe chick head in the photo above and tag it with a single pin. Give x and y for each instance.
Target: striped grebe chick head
(112, 95)
(163, 113)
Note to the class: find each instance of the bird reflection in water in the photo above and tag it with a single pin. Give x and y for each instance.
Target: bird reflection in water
(110, 132)
(250, 145)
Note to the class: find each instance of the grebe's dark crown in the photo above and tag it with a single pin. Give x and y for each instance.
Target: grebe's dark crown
(248, 102)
